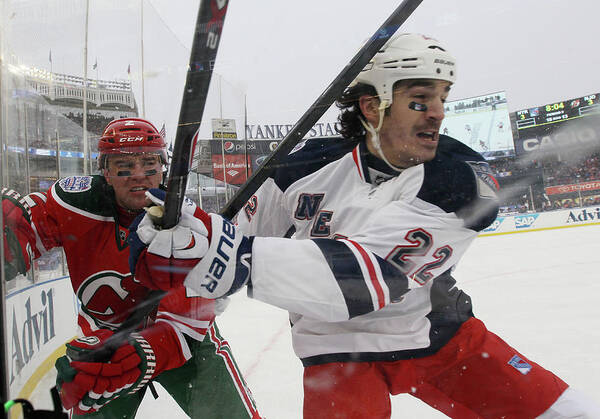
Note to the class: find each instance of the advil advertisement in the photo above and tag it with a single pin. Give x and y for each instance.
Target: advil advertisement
(40, 319)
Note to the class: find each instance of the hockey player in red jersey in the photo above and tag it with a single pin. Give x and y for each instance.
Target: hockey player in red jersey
(179, 346)
(380, 219)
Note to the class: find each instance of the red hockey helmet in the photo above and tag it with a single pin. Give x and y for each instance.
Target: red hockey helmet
(130, 135)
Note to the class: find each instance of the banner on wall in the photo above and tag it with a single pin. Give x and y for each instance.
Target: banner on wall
(223, 129)
(237, 154)
(40, 319)
(584, 186)
(544, 220)
(234, 172)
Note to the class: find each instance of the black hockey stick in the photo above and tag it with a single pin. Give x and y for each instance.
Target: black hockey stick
(323, 102)
(207, 35)
(202, 59)
(306, 122)
(178, 174)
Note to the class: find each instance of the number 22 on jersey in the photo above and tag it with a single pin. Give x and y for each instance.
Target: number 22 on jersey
(409, 258)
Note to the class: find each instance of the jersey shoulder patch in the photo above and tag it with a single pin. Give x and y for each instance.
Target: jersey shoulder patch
(74, 184)
(87, 193)
(459, 180)
(487, 185)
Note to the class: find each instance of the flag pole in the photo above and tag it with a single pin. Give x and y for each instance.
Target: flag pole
(142, 47)
(85, 77)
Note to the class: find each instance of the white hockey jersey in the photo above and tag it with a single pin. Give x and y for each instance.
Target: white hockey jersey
(366, 276)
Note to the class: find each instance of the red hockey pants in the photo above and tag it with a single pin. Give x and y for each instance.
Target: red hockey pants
(475, 375)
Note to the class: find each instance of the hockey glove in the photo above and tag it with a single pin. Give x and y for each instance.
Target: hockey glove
(18, 232)
(226, 266)
(87, 386)
(161, 259)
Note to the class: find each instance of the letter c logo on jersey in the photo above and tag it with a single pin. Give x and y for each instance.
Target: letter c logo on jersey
(109, 296)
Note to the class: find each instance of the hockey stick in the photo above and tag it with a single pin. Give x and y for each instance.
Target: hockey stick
(202, 58)
(207, 34)
(306, 122)
(323, 102)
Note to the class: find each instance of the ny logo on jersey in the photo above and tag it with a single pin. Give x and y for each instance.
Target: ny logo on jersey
(520, 365)
(308, 209)
(487, 184)
(308, 205)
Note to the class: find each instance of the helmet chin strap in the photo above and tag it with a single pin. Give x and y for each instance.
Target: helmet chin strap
(419, 107)
(375, 134)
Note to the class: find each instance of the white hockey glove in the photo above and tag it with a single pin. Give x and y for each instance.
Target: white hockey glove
(161, 259)
(226, 266)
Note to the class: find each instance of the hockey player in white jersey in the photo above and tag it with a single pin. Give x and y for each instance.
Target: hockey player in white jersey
(380, 219)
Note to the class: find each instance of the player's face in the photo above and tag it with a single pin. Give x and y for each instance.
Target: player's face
(131, 176)
(409, 137)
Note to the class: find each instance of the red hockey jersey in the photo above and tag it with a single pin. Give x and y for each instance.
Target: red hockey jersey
(78, 213)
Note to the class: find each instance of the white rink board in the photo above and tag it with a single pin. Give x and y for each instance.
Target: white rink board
(538, 291)
(543, 220)
(40, 318)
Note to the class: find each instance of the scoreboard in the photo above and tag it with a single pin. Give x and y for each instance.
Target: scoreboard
(558, 112)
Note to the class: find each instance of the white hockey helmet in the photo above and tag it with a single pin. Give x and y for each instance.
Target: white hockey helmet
(407, 56)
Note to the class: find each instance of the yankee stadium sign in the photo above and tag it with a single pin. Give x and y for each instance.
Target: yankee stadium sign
(272, 131)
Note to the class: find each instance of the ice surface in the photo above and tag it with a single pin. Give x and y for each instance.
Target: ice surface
(539, 291)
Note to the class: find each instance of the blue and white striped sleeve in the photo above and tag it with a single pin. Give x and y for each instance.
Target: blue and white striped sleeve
(324, 279)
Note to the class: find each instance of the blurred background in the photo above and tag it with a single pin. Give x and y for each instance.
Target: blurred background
(527, 98)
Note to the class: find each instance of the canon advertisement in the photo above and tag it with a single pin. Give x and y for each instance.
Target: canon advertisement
(567, 127)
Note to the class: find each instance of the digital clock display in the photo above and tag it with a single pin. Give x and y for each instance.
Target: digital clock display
(558, 111)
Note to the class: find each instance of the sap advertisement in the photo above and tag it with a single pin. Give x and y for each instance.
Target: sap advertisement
(543, 221)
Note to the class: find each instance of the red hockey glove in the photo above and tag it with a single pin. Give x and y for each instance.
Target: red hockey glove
(87, 386)
(226, 266)
(161, 259)
(18, 233)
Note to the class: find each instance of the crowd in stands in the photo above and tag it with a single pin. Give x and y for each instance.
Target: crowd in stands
(526, 199)
(511, 166)
(557, 173)
(95, 122)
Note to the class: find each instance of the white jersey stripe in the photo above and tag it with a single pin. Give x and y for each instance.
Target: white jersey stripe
(185, 349)
(195, 333)
(222, 349)
(188, 321)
